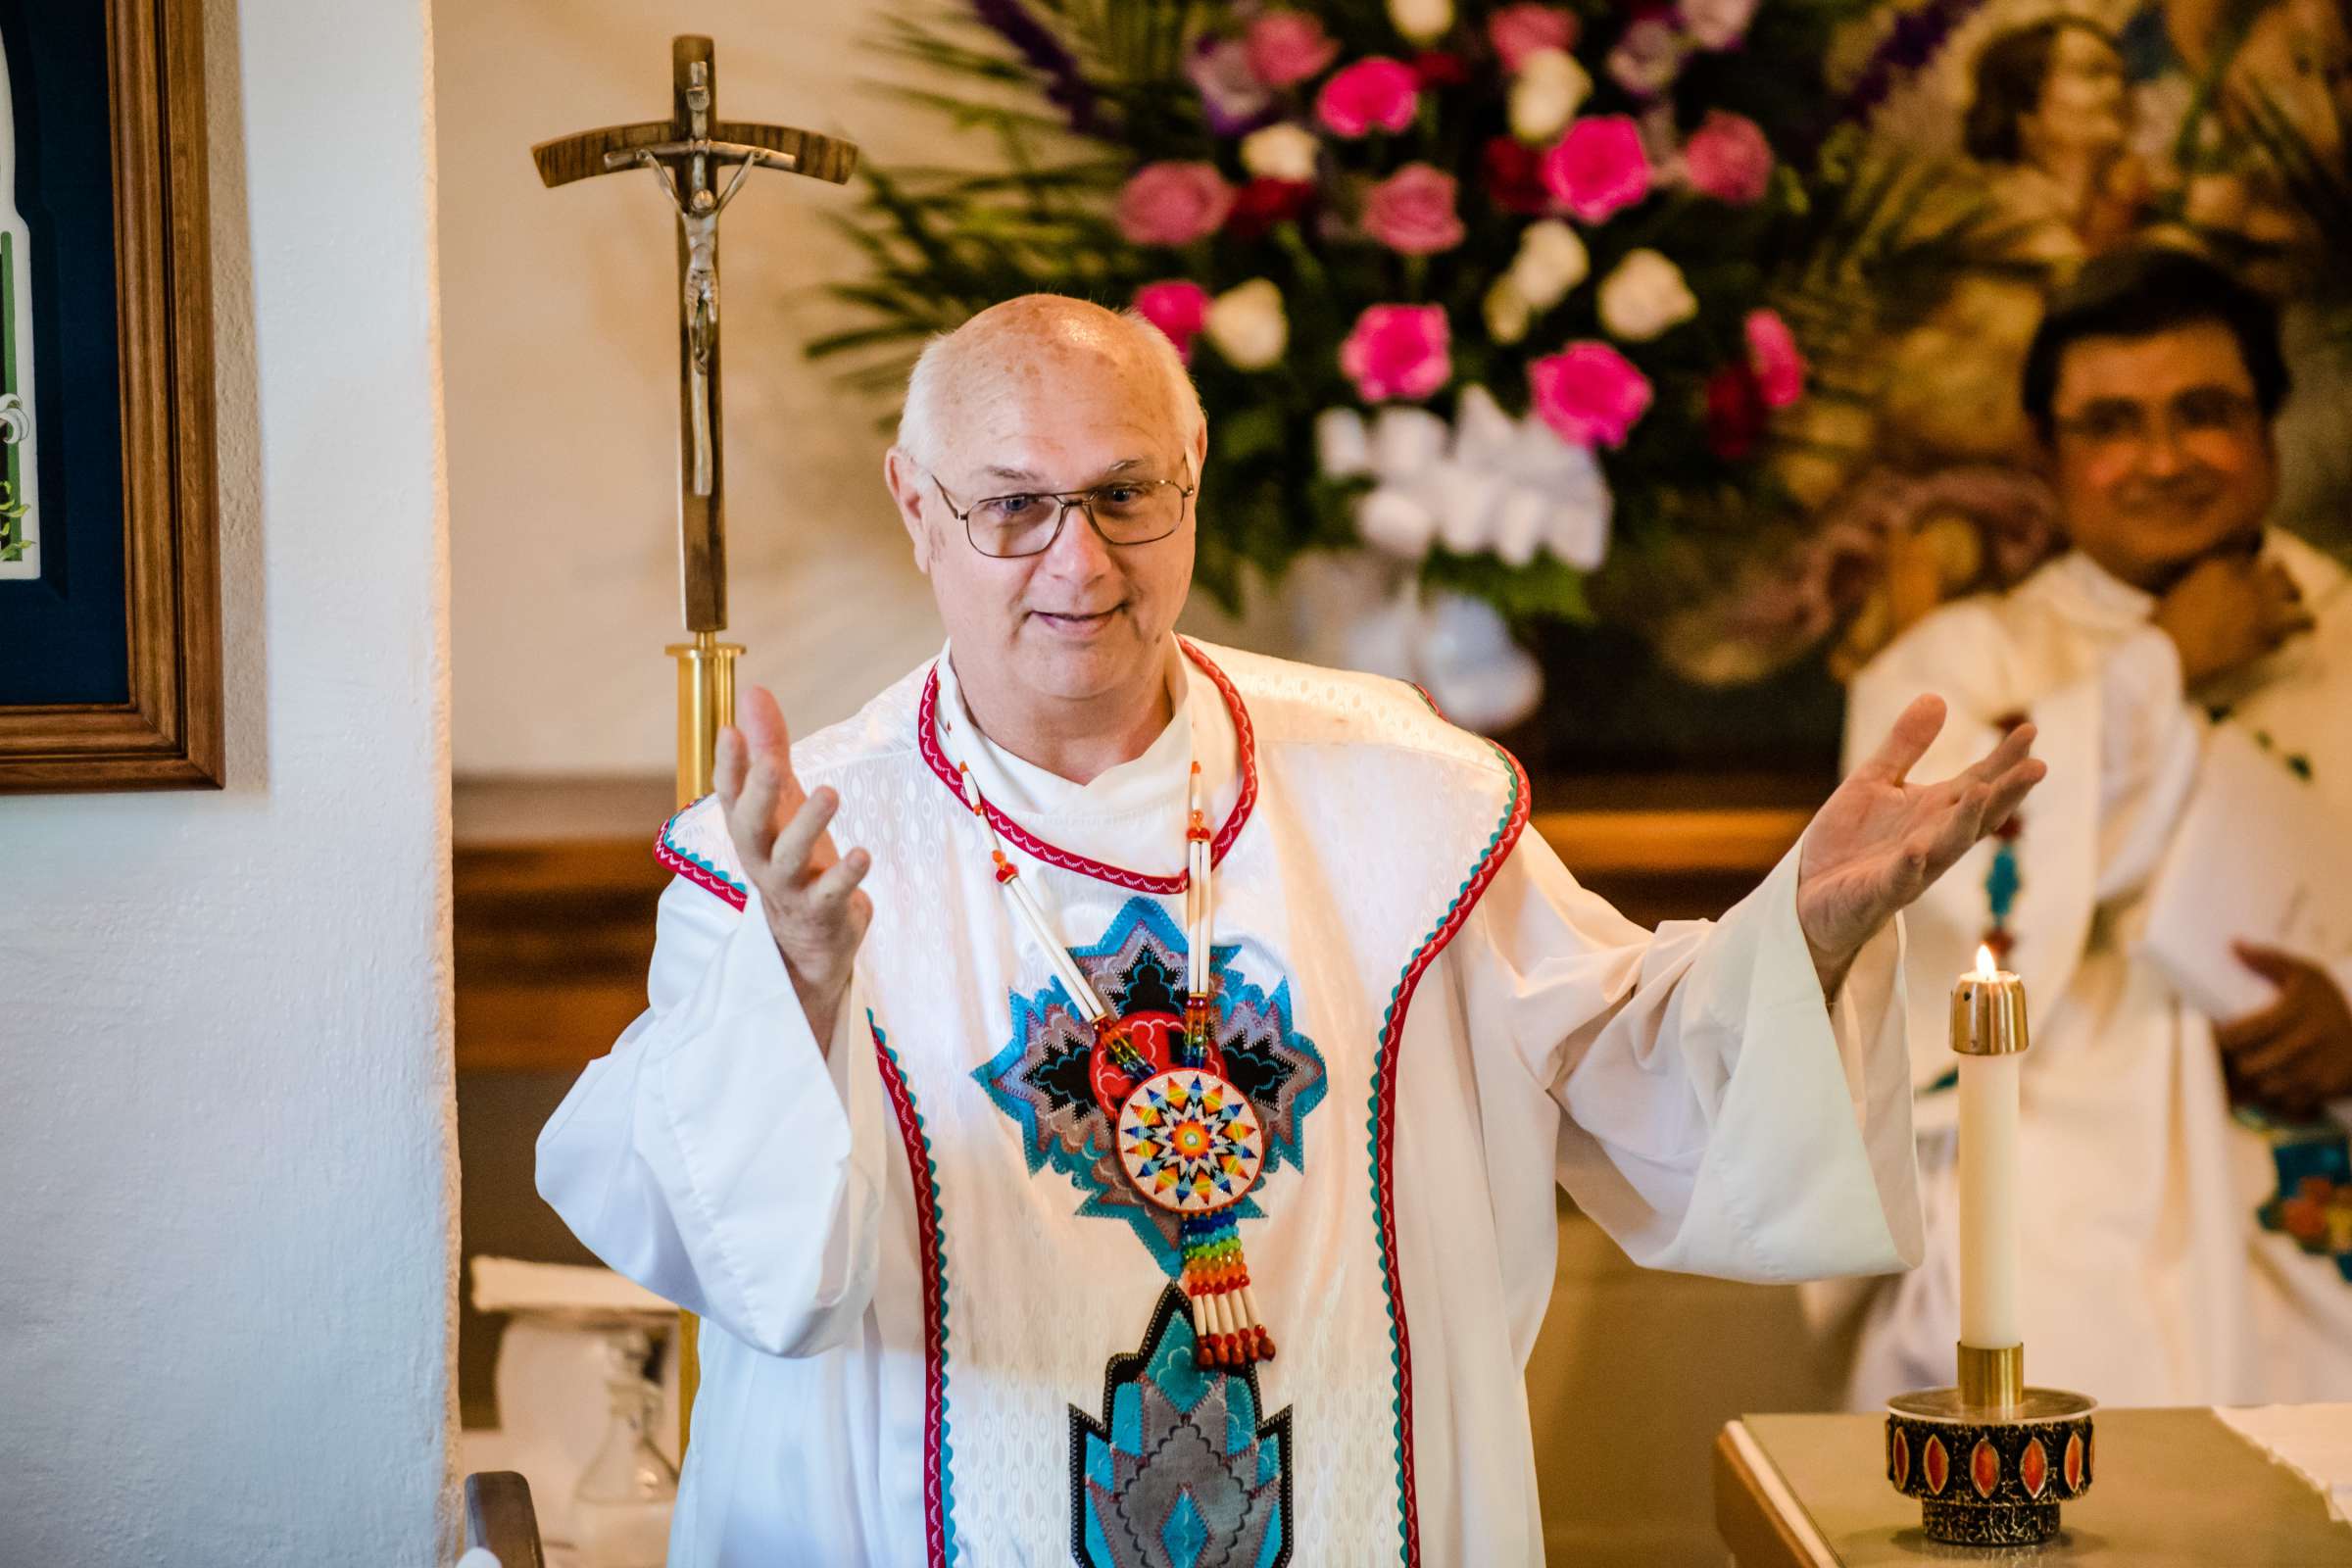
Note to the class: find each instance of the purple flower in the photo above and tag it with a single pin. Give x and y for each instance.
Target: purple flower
(1044, 53)
(1647, 57)
(1232, 93)
(1915, 39)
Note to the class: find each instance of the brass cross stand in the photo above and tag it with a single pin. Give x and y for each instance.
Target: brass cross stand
(687, 153)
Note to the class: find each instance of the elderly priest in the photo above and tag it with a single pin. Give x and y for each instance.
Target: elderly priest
(1103, 1098)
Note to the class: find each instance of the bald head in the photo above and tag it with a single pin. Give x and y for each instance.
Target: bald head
(1038, 346)
(1036, 398)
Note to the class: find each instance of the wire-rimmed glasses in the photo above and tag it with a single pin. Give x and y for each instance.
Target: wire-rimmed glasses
(1026, 522)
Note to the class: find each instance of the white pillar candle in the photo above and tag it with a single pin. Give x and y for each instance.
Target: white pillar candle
(1989, 1032)
(1988, 1180)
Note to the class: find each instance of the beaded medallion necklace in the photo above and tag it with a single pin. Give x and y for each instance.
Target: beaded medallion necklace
(1187, 1137)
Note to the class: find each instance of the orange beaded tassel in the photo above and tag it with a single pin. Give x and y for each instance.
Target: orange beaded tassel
(1225, 1328)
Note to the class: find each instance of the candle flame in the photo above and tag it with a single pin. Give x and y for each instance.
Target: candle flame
(1986, 969)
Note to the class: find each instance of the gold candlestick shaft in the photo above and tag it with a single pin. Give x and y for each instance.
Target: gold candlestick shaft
(1992, 1380)
(706, 704)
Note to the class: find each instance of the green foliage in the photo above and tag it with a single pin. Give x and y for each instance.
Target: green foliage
(939, 243)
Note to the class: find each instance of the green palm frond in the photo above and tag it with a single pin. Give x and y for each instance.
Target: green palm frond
(2317, 184)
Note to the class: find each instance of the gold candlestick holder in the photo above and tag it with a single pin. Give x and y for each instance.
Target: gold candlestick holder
(1990, 1474)
(1989, 1458)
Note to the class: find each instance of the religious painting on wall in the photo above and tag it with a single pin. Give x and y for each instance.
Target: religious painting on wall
(109, 583)
(2219, 128)
(1651, 366)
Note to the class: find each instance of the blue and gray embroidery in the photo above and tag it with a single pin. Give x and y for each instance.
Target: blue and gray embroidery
(1179, 1472)
(1041, 1078)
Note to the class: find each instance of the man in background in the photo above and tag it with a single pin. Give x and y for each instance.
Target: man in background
(2176, 613)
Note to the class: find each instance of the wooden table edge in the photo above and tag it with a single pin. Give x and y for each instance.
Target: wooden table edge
(1760, 1521)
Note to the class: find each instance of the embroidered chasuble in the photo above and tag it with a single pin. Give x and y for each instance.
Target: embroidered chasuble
(2150, 1280)
(941, 1322)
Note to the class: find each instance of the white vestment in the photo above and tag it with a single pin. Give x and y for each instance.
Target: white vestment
(2147, 1278)
(936, 1318)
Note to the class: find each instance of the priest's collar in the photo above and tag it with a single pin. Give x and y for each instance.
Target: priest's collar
(2100, 597)
(2096, 594)
(1130, 815)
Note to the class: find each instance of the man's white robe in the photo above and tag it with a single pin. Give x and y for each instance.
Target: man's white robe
(934, 1330)
(2147, 1278)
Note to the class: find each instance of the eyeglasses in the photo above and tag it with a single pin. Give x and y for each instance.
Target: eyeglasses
(2121, 423)
(1123, 512)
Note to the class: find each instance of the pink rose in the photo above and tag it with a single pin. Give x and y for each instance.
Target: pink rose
(1517, 32)
(1412, 212)
(1599, 167)
(1286, 47)
(1398, 351)
(1178, 307)
(1378, 93)
(1588, 393)
(1729, 158)
(1772, 354)
(1173, 204)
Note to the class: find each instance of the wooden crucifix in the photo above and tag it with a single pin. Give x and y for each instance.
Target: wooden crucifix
(687, 153)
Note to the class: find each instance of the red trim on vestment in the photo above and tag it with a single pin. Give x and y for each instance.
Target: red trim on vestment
(926, 1223)
(1384, 1131)
(926, 718)
(695, 871)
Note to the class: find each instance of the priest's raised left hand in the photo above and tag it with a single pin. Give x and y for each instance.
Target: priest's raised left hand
(1881, 839)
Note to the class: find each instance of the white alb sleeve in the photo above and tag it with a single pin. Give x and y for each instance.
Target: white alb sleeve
(717, 1155)
(1720, 1116)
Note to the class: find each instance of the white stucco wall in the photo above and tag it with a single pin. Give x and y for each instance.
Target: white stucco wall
(563, 386)
(224, 1067)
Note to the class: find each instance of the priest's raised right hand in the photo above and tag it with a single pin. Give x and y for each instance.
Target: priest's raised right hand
(807, 889)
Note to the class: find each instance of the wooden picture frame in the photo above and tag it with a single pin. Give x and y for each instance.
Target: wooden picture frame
(163, 729)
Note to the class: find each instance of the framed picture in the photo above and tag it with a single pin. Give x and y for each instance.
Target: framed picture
(110, 641)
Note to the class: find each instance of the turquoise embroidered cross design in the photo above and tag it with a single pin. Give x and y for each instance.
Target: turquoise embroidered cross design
(1041, 1077)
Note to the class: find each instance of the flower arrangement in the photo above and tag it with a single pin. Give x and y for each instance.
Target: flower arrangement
(1493, 288)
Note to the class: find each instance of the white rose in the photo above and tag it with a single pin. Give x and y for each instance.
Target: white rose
(1551, 261)
(1247, 326)
(1546, 93)
(1421, 20)
(1464, 498)
(1519, 525)
(1343, 446)
(1482, 431)
(1392, 520)
(1507, 312)
(1281, 152)
(1643, 297)
(1405, 440)
(1577, 531)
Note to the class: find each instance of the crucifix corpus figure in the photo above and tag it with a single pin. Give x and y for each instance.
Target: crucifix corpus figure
(688, 153)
